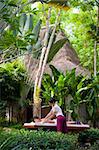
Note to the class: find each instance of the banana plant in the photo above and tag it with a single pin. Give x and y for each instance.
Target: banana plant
(21, 39)
(29, 33)
(89, 93)
(60, 86)
(55, 86)
(71, 82)
(82, 89)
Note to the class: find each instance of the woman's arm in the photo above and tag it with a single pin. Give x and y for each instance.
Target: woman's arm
(49, 116)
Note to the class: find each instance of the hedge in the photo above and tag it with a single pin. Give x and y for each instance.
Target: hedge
(34, 140)
(91, 136)
(14, 139)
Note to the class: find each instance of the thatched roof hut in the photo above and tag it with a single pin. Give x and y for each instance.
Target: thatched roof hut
(65, 59)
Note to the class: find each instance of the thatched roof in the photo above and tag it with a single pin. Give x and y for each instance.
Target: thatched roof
(65, 59)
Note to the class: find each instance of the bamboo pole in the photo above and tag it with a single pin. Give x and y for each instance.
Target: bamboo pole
(48, 49)
(43, 52)
(36, 95)
(39, 69)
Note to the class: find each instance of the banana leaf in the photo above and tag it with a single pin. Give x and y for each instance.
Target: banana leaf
(55, 73)
(55, 48)
(22, 22)
(36, 30)
(27, 24)
(79, 86)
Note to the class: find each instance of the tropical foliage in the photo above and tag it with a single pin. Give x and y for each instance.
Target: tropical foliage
(89, 91)
(12, 81)
(11, 72)
(15, 42)
(82, 90)
(23, 35)
(81, 27)
(47, 140)
(20, 24)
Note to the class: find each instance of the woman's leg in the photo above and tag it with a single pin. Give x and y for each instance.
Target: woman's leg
(64, 125)
(61, 124)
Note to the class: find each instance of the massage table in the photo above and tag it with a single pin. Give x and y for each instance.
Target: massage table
(52, 126)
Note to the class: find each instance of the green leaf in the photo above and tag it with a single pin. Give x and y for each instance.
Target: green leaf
(82, 89)
(1, 5)
(60, 82)
(26, 26)
(55, 73)
(36, 30)
(55, 48)
(79, 86)
(31, 22)
(22, 21)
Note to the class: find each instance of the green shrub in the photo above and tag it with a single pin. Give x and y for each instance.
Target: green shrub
(95, 146)
(90, 135)
(34, 140)
(12, 139)
(2, 121)
(16, 126)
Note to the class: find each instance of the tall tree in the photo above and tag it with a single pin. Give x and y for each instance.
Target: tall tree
(80, 26)
(96, 42)
(43, 59)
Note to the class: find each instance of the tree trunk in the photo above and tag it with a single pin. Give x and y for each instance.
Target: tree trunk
(95, 44)
(36, 96)
(42, 64)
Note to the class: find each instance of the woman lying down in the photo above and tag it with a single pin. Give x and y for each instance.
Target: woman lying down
(56, 112)
(53, 121)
